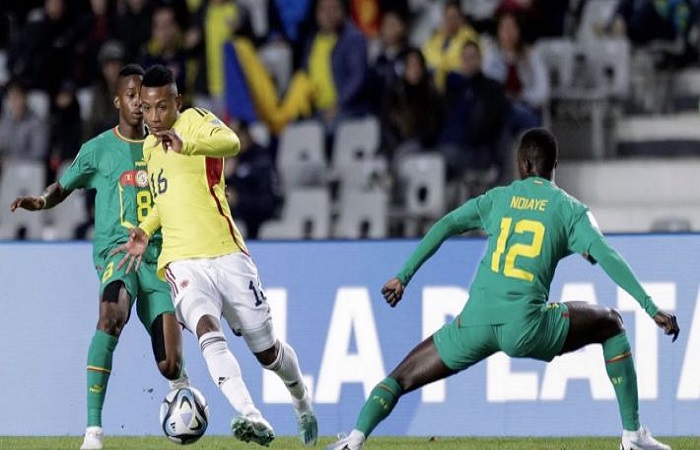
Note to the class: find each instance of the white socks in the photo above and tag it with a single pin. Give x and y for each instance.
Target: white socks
(286, 366)
(226, 372)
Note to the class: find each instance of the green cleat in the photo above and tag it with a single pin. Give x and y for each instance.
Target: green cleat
(308, 427)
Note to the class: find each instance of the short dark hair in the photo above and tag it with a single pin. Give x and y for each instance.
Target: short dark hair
(539, 146)
(131, 69)
(157, 76)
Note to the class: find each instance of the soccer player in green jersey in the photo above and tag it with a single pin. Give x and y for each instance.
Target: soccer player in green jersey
(531, 225)
(112, 163)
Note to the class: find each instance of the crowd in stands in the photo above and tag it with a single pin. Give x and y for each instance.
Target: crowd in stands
(458, 79)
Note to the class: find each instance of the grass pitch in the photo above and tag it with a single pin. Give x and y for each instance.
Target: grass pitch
(378, 443)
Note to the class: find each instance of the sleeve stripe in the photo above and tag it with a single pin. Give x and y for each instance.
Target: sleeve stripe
(200, 111)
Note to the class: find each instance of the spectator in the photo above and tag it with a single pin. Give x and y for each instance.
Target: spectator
(414, 115)
(96, 27)
(291, 22)
(221, 21)
(66, 128)
(166, 47)
(253, 186)
(23, 135)
(521, 71)
(390, 60)
(366, 15)
(644, 21)
(134, 19)
(442, 51)
(336, 62)
(477, 111)
(45, 53)
(103, 115)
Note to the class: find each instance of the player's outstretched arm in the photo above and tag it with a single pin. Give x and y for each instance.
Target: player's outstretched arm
(134, 248)
(52, 196)
(620, 272)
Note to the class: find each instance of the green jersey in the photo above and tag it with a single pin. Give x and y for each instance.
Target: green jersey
(113, 165)
(531, 225)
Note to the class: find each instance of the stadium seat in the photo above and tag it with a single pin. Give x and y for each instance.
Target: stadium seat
(355, 139)
(305, 215)
(422, 177)
(301, 161)
(609, 61)
(362, 215)
(39, 102)
(558, 56)
(596, 15)
(4, 74)
(21, 178)
(66, 217)
(354, 154)
(84, 96)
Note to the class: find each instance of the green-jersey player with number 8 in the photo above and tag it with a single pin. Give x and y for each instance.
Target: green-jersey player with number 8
(531, 225)
(112, 163)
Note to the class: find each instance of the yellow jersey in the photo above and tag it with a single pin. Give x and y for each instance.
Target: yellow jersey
(188, 190)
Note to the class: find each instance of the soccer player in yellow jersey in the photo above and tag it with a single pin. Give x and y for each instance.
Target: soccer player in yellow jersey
(204, 258)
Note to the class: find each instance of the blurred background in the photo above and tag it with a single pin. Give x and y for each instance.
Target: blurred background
(369, 118)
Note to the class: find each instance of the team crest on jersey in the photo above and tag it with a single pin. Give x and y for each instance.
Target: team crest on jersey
(216, 122)
(138, 178)
(184, 284)
(142, 178)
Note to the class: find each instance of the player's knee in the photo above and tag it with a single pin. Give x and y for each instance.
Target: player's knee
(613, 322)
(267, 358)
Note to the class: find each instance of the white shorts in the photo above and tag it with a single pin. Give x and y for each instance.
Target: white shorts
(227, 286)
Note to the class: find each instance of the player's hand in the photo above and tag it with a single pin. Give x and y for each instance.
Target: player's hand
(134, 249)
(28, 202)
(667, 322)
(393, 291)
(170, 139)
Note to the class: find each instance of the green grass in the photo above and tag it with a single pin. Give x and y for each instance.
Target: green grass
(378, 443)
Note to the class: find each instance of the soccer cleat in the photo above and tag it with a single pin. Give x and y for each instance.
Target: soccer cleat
(308, 427)
(93, 439)
(353, 441)
(253, 428)
(640, 440)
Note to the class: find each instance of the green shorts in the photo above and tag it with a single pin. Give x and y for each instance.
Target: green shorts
(151, 294)
(540, 335)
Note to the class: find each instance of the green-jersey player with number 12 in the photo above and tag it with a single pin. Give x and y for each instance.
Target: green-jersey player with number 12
(112, 163)
(531, 225)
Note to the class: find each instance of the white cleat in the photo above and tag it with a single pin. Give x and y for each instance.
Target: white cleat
(93, 439)
(354, 441)
(253, 428)
(182, 382)
(640, 440)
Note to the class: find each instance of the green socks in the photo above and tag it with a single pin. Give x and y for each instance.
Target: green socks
(379, 405)
(620, 367)
(99, 366)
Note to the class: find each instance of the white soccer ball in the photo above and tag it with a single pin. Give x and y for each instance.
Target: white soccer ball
(184, 415)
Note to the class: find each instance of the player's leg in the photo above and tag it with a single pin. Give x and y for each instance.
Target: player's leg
(280, 358)
(115, 304)
(157, 314)
(198, 307)
(594, 324)
(246, 309)
(452, 348)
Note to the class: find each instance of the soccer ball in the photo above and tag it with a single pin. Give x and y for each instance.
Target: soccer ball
(184, 415)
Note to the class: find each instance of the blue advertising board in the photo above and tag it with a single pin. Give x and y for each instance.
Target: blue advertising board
(326, 302)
